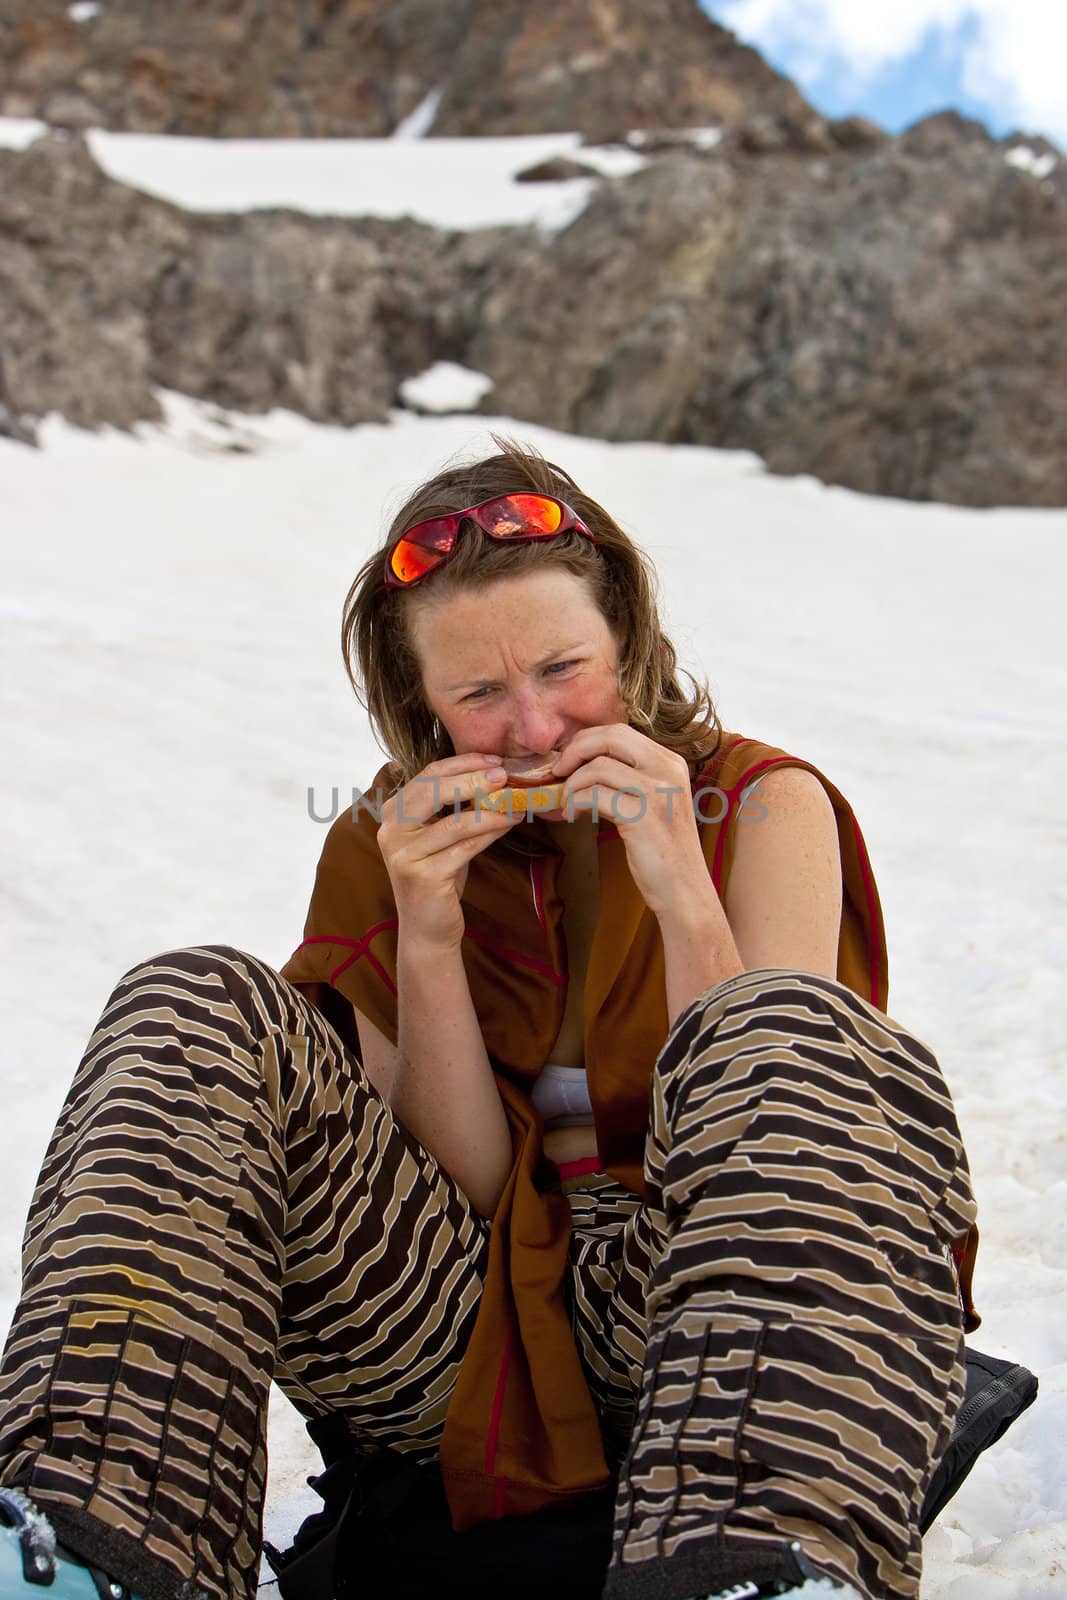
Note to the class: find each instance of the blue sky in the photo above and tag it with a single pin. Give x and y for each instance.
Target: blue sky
(898, 60)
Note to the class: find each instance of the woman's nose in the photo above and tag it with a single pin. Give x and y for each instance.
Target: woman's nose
(535, 726)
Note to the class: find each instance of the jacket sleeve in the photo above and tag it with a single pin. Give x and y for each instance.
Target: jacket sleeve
(349, 942)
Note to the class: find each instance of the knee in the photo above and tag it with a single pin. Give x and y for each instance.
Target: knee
(771, 1032)
(202, 1008)
(777, 1000)
(208, 975)
(194, 961)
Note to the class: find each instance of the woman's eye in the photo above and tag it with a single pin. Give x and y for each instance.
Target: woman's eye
(480, 694)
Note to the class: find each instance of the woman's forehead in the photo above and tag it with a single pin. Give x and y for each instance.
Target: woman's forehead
(520, 621)
(530, 602)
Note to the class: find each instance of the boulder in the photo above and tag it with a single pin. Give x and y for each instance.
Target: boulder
(892, 323)
(107, 295)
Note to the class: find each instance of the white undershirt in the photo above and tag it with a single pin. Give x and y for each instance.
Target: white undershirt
(561, 1094)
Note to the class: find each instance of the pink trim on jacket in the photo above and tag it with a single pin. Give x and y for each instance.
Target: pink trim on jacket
(497, 1413)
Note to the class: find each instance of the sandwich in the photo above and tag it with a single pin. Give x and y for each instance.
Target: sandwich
(531, 791)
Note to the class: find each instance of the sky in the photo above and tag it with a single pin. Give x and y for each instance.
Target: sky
(896, 61)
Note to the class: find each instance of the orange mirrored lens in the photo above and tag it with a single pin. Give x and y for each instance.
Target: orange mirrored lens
(409, 562)
(411, 559)
(525, 514)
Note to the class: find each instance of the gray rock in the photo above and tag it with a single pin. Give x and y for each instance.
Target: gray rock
(941, 135)
(292, 69)
(71, 111)
(19, 429)
(892, 323)
(889, 319)
(556, 170)
(107, 295)
(774, 133)
(73, 302)
(856, 133)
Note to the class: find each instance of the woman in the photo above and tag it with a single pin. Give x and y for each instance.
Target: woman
(713, 1248)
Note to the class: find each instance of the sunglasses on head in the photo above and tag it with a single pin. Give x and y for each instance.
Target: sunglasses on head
(519, 517)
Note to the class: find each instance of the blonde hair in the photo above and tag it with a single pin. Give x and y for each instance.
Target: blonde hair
(376, 642)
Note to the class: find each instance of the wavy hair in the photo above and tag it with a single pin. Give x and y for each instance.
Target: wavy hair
(376, 642)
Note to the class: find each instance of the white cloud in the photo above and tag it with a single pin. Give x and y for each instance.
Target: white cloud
(831, 33)
(1018, 63)
(1012, 61)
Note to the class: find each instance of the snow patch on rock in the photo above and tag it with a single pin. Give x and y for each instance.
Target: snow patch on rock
(446, 386)
(1028, 160)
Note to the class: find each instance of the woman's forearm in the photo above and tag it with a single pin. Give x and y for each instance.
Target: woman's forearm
(698, 951)
(444, 1091)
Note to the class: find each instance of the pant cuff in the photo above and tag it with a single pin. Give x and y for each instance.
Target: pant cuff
(707, 1569)
(117, 1553)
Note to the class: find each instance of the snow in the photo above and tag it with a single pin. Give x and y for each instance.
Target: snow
(699, 138)
(446, 386)
(1028, 160)
(171, 691)
(419, 122)
(18, 132)
(451, 183)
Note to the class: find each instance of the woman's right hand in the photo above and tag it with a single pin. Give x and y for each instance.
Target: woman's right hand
(427, 855)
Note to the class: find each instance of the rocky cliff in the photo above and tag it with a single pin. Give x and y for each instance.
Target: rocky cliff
(297, 68)
(887, 317)
(884, 313)
(891, 320)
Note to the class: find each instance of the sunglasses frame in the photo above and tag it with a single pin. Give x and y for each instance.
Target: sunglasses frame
(451, 522)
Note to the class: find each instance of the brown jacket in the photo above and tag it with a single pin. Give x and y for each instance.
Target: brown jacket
(521, 1430)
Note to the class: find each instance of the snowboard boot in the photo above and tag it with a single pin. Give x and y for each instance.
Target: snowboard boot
(34, 1566)
(792, 1573)
(810, 1589)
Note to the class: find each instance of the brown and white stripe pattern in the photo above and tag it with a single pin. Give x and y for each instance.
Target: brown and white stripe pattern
(225, 1199)
(804, 1361)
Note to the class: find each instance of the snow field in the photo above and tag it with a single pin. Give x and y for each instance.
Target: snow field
(172, 687)
(450, 183)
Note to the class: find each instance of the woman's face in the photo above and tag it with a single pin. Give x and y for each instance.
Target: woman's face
(518, 667)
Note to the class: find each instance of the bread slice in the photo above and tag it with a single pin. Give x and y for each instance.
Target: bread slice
(546, 797)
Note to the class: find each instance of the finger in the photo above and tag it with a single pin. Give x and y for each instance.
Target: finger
(457, 855)
(608, 804)
(428, 872)
(435, 838)
(466, 761)
(433, 790)
(616, 774)
(614, 739)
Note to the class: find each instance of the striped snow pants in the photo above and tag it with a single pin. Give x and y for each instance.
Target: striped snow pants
(773, 1338)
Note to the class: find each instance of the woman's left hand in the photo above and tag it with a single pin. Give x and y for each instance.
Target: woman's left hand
(627, 779)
